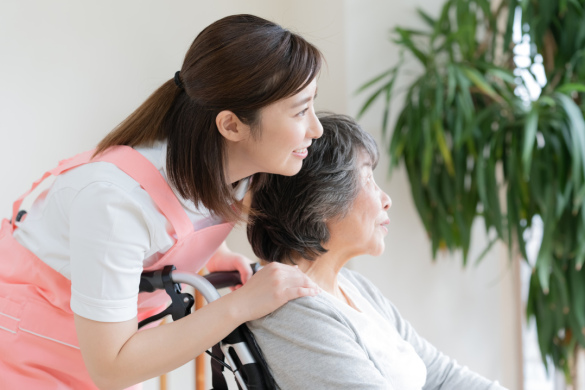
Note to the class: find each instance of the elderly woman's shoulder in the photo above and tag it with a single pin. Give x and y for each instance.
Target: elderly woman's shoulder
(356, 278)
(305, 306)
(363, 284)
(371, 293)
(302, 322)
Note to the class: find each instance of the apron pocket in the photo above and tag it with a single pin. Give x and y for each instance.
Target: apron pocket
(46, 321)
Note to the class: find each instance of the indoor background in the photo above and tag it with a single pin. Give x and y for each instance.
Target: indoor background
(70, 71)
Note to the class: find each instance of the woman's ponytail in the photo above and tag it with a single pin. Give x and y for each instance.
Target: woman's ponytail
(144, 125)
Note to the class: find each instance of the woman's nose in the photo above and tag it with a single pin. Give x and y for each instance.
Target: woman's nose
(315, 128)
(386, 201)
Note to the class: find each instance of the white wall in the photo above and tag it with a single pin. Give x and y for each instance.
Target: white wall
(70, 71)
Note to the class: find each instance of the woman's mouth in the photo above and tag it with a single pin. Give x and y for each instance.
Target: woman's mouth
(302, 153)
(383, 225)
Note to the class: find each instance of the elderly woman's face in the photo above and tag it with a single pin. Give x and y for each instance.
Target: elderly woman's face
(363, 229)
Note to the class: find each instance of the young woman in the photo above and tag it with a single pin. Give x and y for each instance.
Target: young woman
(349, 336)
(165, 187)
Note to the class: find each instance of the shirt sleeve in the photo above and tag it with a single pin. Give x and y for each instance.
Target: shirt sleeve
(443, 372)
(109, 239)
(309, 346)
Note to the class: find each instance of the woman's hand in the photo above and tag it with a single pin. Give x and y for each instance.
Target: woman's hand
(226, 260)
(271, 287)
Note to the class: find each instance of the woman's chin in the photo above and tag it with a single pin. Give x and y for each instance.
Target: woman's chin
(289, 169)
(378, 250)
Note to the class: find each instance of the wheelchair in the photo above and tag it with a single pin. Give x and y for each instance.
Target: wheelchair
(239, 349)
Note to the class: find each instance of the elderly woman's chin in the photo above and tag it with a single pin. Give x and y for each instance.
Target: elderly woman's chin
(351, 238)
(378, 246)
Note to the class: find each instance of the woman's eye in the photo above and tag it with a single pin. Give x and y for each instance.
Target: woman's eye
(302, 113)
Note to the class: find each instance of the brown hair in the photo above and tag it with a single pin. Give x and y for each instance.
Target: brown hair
(292, 211)
(240, 63)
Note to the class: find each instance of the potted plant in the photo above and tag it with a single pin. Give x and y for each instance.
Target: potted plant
(473, 146)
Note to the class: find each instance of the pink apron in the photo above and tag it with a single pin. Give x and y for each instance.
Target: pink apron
(38, 342)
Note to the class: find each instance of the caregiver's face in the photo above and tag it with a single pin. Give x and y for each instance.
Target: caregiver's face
(363, 229)
(287, 129)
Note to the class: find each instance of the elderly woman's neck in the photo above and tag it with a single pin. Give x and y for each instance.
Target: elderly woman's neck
(323, 270)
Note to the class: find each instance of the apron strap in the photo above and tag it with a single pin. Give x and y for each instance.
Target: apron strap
(138, 168)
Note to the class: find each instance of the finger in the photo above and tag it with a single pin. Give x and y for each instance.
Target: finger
(244, 269)
(298, 292)
(289, 276)
(299, 278)
(296, 282)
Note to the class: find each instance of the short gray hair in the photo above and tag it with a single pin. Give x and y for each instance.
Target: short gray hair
(290, 212)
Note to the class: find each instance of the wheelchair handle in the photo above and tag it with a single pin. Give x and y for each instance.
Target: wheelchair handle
(224, 279)
(209, 284)
(199, 283)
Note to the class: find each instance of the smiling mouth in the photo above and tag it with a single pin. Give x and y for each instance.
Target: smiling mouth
(300, 151)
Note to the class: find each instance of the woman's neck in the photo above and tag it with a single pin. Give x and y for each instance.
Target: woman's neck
(324, 271)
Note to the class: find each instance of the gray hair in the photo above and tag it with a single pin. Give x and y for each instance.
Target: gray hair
(290, 212)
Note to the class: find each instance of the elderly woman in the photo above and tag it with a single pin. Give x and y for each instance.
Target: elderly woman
(349, 336)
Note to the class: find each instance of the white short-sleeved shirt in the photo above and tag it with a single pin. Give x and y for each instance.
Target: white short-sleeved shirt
(97, 227)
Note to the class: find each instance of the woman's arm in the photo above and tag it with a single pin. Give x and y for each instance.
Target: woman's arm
(110, 236)
(118, 356)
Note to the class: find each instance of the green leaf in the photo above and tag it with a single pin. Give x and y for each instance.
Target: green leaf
(577, 129)
(502, 74)
(443, 148)
(427, 162)
(418, 195)
(376, 79)
(576, 279)
(406, 41)
(386, 87)
(451, 84)
(386, 114)
(530, 128)
(486, 250)
(493, 196)
(544, 258)
(572, 87)
(512, 4)
(481, 83)
(580, 250)
(426, 17)
(481, 180)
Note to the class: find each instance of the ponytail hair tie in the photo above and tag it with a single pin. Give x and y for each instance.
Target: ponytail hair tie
(178, 81)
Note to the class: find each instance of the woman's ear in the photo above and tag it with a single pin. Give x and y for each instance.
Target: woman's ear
(231, 127)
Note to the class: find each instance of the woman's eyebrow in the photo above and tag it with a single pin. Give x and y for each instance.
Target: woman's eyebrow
(305, 100)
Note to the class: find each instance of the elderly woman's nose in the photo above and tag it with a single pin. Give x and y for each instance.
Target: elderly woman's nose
(386, 201)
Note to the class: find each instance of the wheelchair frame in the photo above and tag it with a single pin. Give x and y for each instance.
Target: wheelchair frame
(239, 348)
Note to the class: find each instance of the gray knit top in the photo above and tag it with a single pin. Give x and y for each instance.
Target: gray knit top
(316, 343)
